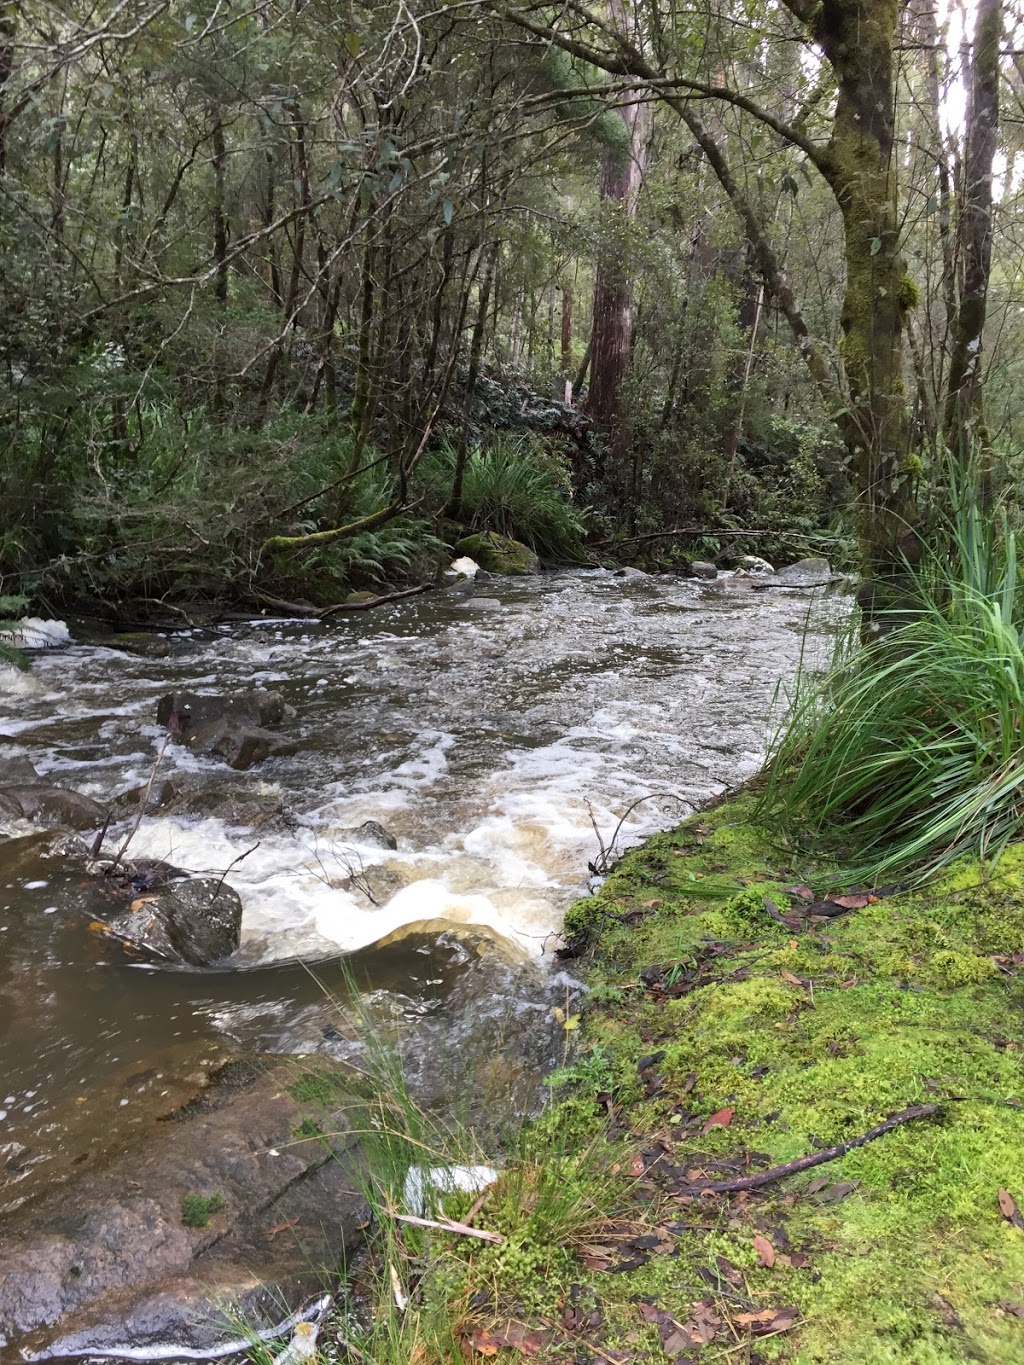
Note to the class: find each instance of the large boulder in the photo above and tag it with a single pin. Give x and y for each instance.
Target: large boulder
(46, 805)
(185, 711)
(499, 554)
(196, 921)
(701, 568)
(232, 727)
(241, 746)
(225, 1212)
(806, 573)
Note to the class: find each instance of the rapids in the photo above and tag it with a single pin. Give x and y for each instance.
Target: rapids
(502, 731)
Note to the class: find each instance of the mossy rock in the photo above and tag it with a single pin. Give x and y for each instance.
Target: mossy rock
(353, 598)
(499, 554)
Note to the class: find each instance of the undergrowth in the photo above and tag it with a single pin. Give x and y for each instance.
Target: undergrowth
(910, 750)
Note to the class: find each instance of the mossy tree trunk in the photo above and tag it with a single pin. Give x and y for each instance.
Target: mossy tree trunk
(859, 38)
(964, 416)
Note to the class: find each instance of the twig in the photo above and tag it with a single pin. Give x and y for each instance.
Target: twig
(234, 862)
(447, 1226)
(143, 803)
(375, 601)
(805, 1163)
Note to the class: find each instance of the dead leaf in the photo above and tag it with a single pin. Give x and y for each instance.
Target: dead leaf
(793, 980)
(96, 926)
(856, 901)
(1008, 1306)
(766, 1320)
(143, 900)
(637, 1166)
(652, 904)
(720, 1119)
(804, 893)
(483, 1344)
(765, 1251)
(1009, 1209)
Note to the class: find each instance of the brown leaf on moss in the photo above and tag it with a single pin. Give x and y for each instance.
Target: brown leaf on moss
(721, 1118)
(765, 1251)
(766, 1320)
(1008, 1208)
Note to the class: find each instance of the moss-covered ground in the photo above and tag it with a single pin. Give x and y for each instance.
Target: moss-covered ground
(732, 1026)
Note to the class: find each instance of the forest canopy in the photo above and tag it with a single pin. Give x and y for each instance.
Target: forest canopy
(288, 286)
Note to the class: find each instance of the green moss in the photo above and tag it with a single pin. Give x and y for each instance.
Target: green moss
(909, 294)
(498, 554)
(198, 1209)
(813, 1036)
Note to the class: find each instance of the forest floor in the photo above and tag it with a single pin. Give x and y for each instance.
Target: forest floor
(736, 1022)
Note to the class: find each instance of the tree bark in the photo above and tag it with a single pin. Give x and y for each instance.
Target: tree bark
(611, 344)
(964, 416)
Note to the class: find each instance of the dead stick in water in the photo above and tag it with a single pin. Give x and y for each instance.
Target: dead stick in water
(376, 601)
(805, 1163)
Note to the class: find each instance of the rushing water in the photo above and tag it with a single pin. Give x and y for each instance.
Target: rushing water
(490, 731)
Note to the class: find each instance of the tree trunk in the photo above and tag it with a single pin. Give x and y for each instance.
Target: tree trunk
(964, 418)
(859, 37)
(476, 345)
(611, 342)
(8, 28)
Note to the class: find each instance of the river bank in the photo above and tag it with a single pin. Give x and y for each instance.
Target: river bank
(732, 1026)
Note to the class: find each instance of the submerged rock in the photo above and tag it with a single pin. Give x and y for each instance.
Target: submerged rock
(630, 573)
(240, 746)
(499, 554)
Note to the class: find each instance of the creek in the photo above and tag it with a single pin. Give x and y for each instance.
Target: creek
(503, 732)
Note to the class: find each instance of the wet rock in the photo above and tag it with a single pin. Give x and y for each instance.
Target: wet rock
(46, 805)
(160, 796)
(754, 564)
(806, 573)
(197, 922)
(185, 712)
(108, 1263)
(377, 883)
(17, 770)
(628, 572)
(232, 727)
(702, 569)
(8, 806)
(499, 554)
(464, 567)
(371, 832)
(240, 746)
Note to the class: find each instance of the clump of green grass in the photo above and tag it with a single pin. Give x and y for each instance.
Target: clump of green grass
(909, 754)
(520, 489)
(198, 1209)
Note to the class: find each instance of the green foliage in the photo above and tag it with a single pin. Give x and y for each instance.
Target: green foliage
(909, 754)
(198, 1209)
(10, 609)
(519, 487)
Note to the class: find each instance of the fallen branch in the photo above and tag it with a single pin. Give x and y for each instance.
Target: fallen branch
(448, 1226)
(375, 601)
(805, 1163)
(279, 603)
